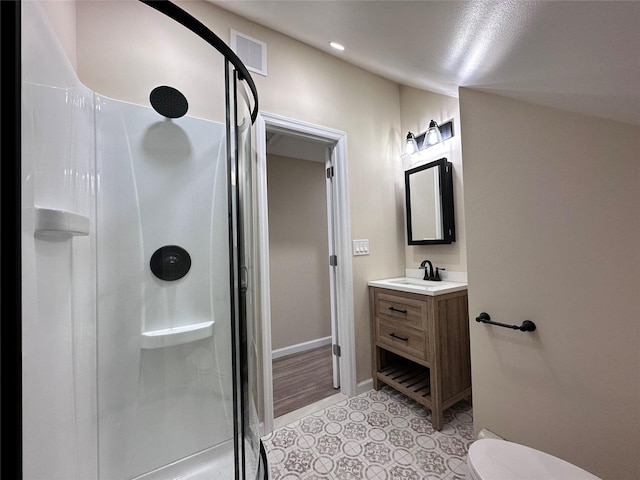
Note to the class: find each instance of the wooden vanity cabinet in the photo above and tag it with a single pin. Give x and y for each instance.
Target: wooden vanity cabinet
(421, 346)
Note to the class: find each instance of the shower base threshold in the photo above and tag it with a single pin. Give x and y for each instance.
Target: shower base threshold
(214, 463)
(169, 337)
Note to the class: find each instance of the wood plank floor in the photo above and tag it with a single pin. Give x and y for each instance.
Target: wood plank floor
(302, 379)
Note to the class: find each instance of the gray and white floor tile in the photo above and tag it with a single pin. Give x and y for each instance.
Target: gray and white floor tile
(378, 435)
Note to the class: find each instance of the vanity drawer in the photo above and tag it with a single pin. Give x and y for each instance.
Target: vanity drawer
(402, 337)
(401, 310)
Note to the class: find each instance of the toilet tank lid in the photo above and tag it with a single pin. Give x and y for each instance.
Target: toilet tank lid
(492, 459)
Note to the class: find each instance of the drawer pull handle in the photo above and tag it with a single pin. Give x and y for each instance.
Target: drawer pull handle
(393, 309)
(404, 339)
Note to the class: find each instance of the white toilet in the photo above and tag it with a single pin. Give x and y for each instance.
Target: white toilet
(492, 459)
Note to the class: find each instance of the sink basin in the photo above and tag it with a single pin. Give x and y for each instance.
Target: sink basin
(417, 285)
(417, 281)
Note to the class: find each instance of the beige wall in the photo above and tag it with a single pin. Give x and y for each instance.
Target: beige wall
(62, 15)
(418, 108)
(553, 224)
(126, 48)
(298, 251)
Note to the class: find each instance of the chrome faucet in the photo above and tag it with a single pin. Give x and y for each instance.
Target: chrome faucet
(428, 271)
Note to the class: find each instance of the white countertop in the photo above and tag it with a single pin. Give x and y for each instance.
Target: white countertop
(417, 285)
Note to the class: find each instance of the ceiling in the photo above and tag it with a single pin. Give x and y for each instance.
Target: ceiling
(581, 56)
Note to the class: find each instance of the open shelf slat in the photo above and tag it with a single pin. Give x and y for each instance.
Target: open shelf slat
(409, 378)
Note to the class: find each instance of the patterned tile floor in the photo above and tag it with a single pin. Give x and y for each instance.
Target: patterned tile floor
(378, 435)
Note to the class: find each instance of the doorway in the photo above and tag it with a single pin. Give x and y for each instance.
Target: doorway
(299, 273)
(295, 145)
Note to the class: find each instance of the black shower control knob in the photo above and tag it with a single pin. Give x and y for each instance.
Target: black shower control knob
(170, 262)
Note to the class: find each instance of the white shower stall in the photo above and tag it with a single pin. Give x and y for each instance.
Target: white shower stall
(129, 373)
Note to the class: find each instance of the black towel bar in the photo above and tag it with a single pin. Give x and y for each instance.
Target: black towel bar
(527, 325)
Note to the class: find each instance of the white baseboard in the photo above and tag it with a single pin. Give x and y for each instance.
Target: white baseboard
(300, 347)
(364, 386)
(484, 433)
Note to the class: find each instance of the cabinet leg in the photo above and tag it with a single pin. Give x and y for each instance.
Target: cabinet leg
(436, 419)
(436, 400)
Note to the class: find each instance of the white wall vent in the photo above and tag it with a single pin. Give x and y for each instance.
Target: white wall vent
(252, 52)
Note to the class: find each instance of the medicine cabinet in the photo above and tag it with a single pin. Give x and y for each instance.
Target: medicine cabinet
(429, 203)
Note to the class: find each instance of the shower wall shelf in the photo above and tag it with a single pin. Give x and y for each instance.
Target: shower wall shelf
(59, 223)
(169, 337)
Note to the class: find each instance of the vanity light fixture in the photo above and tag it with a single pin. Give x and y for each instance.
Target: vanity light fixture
(434, 135)
(411, 144)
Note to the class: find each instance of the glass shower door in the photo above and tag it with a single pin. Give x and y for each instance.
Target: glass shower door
(248, 392)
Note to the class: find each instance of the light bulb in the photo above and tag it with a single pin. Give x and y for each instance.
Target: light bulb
(411, 144)
(433, 135)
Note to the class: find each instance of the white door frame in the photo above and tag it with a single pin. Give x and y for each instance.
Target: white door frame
(331, 214)
(342, 231)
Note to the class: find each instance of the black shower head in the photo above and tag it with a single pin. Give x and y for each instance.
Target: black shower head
(168, 101)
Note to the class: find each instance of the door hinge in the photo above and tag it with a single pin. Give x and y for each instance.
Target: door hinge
(336, 350)
(333, 260)
(330, 172)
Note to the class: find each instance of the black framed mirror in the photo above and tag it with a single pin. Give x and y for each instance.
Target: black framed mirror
(429, 201)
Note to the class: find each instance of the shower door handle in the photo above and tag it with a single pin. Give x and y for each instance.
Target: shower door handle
(244, 279)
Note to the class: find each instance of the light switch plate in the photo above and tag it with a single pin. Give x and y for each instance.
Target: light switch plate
(361, 247)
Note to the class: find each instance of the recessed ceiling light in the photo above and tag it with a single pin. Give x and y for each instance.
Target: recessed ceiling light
(337, 46)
